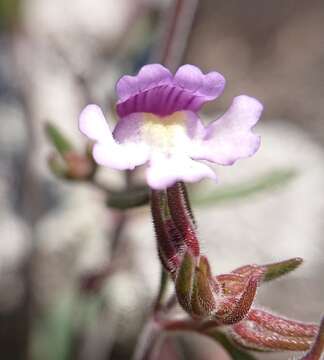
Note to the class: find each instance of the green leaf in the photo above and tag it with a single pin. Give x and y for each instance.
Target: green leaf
(61, 143)
(235, 352)
(269, 181)
(128, 199)
(9, 13)
(162, 289)
(57, 165)
(281, 268)
(52, 339)
(55, 332)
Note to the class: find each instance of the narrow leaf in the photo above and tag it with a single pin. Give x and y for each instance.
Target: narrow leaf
(235, 352)
(57, 166)
(60, 141)
(269, 181)
(131, 198)
(162, 289)
(272, 271)
(275, 270)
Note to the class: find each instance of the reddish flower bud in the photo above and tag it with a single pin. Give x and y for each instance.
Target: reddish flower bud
(79, 167)
(182, 216)
(166, 236)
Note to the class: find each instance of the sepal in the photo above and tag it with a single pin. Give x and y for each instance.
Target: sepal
(184, 281)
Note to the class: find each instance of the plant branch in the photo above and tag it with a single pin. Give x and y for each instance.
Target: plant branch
(176, 29)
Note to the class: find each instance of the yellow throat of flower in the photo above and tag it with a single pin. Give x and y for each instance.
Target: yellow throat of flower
(164, 133)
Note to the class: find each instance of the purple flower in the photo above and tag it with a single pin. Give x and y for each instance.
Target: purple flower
(159, 125)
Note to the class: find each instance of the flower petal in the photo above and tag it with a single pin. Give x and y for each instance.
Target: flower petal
(129, 128)
(107, 151)
(155, 90)
(120, 157)
(134, 93)
(192, 89)
(208, 87)
(230, 138)
(149, 76)
(165, 171)
(181, 131)
(92, 123)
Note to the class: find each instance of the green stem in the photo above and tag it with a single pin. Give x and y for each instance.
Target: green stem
(162, 290)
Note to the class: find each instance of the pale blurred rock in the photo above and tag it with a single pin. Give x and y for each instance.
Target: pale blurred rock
(71, 239)
(15, 246)
(71, 20)
(15, 237)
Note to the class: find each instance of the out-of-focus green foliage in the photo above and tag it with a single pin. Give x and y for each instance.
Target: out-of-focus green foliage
(269, 181)
(9, 13)
(140, 196)
(58, 139)
(56, 332)
(52, 338)
(131, 198)
(235, 352)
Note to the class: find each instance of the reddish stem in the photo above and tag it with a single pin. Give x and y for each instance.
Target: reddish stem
(317, 349)
(176, 33)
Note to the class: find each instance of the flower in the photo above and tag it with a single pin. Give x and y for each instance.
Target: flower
(159, 125)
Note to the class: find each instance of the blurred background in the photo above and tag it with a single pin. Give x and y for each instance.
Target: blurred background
(77, 278)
